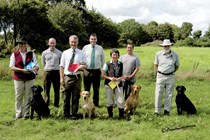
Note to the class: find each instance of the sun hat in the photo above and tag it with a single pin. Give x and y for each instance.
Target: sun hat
(22, 40)
(166, 42)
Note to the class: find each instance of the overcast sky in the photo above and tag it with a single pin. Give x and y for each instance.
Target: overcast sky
(175, 12)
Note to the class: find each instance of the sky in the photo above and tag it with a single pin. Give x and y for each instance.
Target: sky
(175, 12)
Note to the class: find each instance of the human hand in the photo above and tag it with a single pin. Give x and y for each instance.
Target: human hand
(112, 79)
(62, 82)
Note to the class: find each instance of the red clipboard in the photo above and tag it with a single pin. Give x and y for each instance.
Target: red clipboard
(73, 67)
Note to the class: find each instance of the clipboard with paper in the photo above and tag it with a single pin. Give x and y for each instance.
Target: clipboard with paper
(73, 67)
(30, 65)
(115, 84)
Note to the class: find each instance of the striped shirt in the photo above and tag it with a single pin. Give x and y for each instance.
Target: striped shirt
(51, 59)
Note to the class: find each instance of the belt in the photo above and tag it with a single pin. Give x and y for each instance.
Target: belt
(73, 76)
(93, 69)
(171, 73)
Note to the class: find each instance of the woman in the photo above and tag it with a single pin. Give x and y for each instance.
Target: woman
(25, 66)
(113, 74)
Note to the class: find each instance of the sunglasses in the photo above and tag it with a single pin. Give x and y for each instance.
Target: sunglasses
(166, 46)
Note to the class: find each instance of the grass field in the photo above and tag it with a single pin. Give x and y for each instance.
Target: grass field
(194, 73)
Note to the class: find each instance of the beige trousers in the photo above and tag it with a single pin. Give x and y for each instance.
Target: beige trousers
(114, 93)
(164, 86)
(23, 96)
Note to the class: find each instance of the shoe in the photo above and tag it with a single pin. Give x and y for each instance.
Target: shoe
(166, 113)
(156, 114)
(73, 118)
(67, 116)
(17, 118)
(25, 117)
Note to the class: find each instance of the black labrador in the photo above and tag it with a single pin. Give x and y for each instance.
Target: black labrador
(38, 104)
(183, 103)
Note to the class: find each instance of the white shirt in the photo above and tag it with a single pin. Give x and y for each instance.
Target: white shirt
(23, 55)
(79, 58)
(166, 62)
(99, 55)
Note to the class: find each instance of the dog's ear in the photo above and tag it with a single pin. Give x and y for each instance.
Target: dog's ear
(32, 87)
(140, 87)
(80, 93)
(89, 94)
(131, 86)
(183, 87)
(177, 88)
(39, 88)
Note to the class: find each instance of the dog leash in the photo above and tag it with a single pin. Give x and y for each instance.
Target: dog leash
(166, 129)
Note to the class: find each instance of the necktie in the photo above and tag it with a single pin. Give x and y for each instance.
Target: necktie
(72, 58)
(92, 62)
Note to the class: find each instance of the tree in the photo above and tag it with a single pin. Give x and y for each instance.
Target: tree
(152, 29)
(207, 33)
(176, 32)
(67, 21)
(197, 34)
(69, 2)
(186, 30)
(130, 29)
(165, 31)
(31, 22)
(5, 18)
(106, 30)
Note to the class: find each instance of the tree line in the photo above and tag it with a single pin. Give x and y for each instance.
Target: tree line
(38, 20)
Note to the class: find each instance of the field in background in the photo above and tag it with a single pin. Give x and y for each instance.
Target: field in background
(193, 73)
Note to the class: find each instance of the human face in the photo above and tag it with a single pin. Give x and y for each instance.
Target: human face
(129, 49)
(167, 48)
(73, 43)
(52, 43)
(23, 47)
(93, 40)
(114, 57)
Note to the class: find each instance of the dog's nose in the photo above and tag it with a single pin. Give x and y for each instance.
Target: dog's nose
(84, 97)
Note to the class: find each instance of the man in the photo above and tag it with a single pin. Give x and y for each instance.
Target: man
(50, 60)
(73, 61)
(24, 64)
(95, 61)
(131, 64)
(166, 64)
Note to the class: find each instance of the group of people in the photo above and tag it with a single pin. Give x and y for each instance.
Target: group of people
(65, 68)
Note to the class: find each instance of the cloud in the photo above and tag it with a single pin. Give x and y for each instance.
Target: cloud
(171, 11)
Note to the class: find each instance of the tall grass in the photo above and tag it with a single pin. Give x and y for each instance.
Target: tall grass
(193, 73)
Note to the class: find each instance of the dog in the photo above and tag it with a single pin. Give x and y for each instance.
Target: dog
(38, 104)
(183, 103)
(87, 106)
(132, 101)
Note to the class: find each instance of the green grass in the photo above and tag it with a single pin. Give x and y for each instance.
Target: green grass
(142, 126)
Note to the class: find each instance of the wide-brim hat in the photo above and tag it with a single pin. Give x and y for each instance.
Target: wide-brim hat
(22, 40)
(166, 42)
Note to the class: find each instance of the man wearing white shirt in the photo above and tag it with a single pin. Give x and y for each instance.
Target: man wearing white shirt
(71, 81)
(95, 61)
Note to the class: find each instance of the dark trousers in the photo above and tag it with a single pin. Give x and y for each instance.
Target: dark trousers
(54, 78)
(72, 93)
(94, 78)
(127, 88)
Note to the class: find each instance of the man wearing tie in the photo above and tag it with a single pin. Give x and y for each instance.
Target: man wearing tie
(95, 61)
(71, 80)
